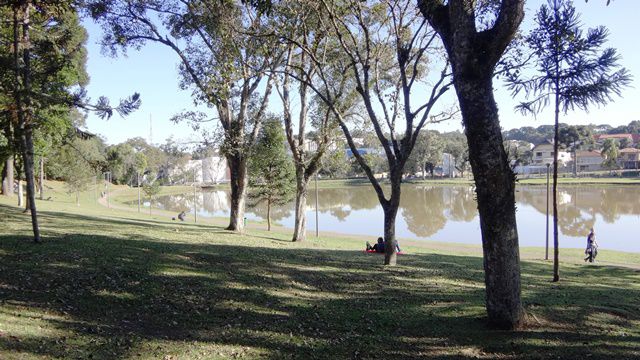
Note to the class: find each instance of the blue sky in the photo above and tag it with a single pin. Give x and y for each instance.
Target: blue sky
(152, 71)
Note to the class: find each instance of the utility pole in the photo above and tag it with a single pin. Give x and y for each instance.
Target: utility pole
(317, 225)
(41, 185)
(195, 198)
(138, 173)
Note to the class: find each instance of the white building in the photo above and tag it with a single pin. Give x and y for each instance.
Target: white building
(207, 171)
(543, 154)
(215, 170)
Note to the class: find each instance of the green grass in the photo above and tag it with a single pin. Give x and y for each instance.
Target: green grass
(583, 181)
(114, 284)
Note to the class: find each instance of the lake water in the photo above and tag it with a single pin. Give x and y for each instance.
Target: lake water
(449, 213)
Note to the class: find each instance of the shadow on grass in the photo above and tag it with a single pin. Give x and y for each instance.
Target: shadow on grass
(118, 297)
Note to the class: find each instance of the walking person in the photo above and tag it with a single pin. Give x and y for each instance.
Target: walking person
(592, 247)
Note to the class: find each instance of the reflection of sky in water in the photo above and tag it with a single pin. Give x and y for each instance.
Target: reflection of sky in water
(618, 234)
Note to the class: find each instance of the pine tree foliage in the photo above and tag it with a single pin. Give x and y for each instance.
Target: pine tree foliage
(569, 63)
(572, 72)
(271, 172)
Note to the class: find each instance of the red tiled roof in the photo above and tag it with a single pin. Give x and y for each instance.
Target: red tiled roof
(635, 138)
(630, 150)
(588, 154)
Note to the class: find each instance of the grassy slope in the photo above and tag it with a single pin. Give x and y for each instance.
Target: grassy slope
(116, 284)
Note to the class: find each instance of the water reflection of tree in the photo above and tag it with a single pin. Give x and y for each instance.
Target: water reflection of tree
(462, 203)
(277, 212)
(618, 201)
(578, 216)
(423, 210)
(177, 203)
(216, 200)
(341, 202)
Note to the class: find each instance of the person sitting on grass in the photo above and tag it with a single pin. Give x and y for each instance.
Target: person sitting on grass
(180, 216)
(379, 246)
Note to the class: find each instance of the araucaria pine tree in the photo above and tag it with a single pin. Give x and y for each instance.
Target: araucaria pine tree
(271, 172)
(572, 72)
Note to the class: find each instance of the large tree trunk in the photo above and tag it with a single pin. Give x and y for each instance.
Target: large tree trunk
(300, 226)
(495, 187)
(20, 194)
(24, 110)
(238, 182)
(556, 248)
(269, 215)
(26, 138)
(473, 55)
(7, 180)
(390, 209)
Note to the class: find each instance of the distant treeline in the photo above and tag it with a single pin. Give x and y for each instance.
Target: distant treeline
(545, 132)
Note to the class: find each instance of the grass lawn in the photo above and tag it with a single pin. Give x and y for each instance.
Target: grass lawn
(115, 284)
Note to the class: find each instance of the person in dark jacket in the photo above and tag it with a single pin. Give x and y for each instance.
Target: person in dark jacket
(379, 246)
(592, 247)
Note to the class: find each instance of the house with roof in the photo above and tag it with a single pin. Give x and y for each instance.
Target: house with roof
(632, 139)
(589, 160)
(629, 158)
(542, 154)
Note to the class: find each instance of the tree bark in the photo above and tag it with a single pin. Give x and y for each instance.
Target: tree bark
(23, 102)
(495, 189)
(473, 55)
(20, 194)
(390, 212)
(8, 179)
(300, 226)
(269, 215)
(238, 182)
(556, 249)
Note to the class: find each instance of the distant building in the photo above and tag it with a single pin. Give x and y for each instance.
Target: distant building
(207, 171)
(215, 170)
(589, 160)
(629, 158)
(449, 166)
(631, 138)
(363, 151)
(543, 154)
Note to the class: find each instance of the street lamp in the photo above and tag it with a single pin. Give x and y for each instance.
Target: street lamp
(195, 198)
(317, 228)
(139, 198)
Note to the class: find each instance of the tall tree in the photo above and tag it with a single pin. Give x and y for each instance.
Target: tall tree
(474, 47)
(428, 150)
(456, 145)
(46, 58)
(300, 25)
(78, 162)
(271, 174)
(381, 52)
(219, 58)
(610, 154)
(573, 72)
